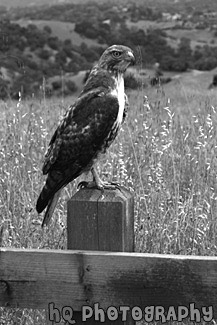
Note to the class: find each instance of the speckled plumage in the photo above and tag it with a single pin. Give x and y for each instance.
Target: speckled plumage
(88, 127)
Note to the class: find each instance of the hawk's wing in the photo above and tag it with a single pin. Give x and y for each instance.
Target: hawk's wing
(78, 139)
(87, 122)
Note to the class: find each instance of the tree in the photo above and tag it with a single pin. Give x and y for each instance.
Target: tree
(61, 58)
(44, 54)
(184, 54)
(57, 84)
(88, 53)
(47, 29)
(87, 28)
(53, 42)
(71, 86)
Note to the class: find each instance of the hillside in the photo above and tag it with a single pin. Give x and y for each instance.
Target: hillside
(186, 20)
(30, 57)
(27, 3)
(60, 29)
(172, 5)
(54, 43)
(174, 32)
(66, 30)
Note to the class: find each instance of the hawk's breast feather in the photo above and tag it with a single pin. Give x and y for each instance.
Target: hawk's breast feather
(118, 92)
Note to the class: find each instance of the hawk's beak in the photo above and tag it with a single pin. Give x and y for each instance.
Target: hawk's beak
(131, 57)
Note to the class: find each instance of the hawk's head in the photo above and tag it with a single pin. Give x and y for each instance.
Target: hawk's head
(117, 58)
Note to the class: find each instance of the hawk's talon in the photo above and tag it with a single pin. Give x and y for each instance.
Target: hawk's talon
(116, 184)
(92, 185)
(99, 186)
(111, 186)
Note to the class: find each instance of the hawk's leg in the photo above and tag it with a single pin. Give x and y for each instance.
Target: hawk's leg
(98, 183)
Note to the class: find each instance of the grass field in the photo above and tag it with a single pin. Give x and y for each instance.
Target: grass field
(165, 153)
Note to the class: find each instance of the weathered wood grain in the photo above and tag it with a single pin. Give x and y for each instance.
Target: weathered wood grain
(97, 221)
(34, 278)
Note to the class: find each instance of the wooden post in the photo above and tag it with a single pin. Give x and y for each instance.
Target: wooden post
(101, 221)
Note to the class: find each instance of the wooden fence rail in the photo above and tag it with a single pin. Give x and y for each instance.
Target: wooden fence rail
(35, 278)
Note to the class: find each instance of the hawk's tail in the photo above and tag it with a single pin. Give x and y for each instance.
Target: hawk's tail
(53, 183)
(50, 193)
(50, 208)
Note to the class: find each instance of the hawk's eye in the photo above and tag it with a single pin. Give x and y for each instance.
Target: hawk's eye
(116, 54)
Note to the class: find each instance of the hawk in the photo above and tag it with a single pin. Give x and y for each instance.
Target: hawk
(87, 129)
